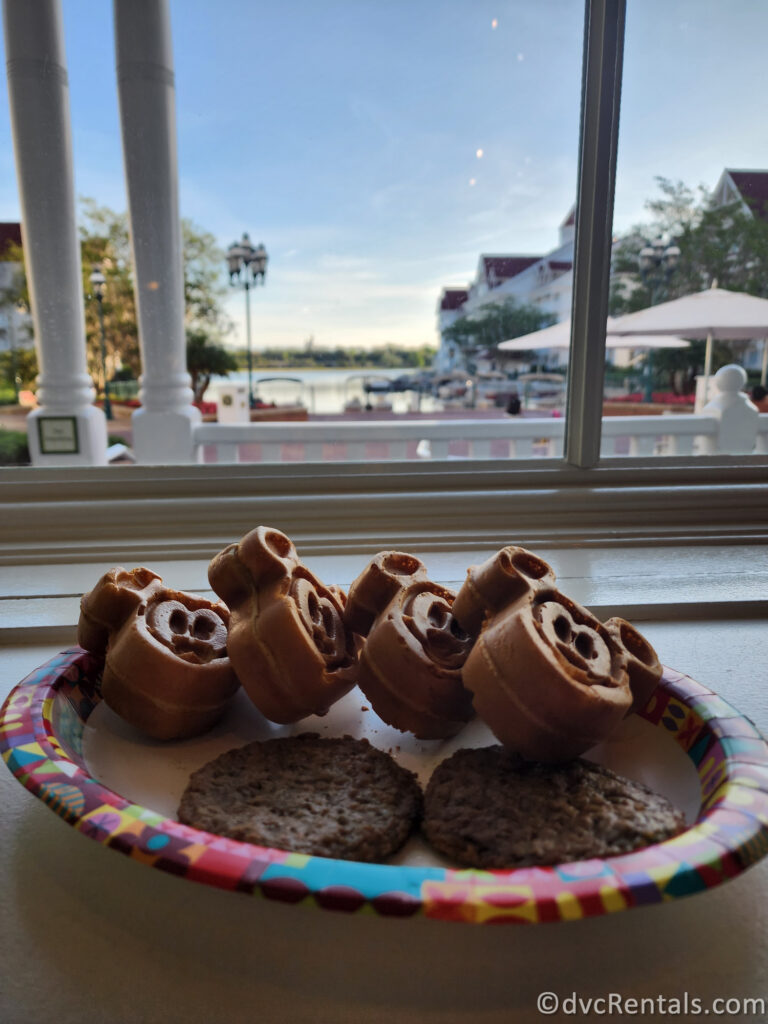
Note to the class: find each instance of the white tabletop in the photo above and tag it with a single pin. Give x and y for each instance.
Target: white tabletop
(91, 936)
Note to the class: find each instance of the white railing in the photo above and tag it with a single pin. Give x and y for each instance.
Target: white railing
(730, 425)
(440, 439)
(377, 440)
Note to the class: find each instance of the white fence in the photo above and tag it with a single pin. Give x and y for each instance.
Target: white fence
(440, 439)
(729, 425)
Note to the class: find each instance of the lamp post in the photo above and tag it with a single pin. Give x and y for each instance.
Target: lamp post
(250, 262)
(658, 263)
(98, 281)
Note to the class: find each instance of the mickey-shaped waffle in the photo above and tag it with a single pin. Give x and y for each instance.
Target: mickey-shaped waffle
(411, 662)
(287, 638)
(166, 668)
(546, 675)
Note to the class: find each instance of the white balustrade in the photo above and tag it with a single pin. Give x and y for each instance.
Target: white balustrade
(382, 440)
(737, 417)
(761, 444)
(731, 424)
(655, 435)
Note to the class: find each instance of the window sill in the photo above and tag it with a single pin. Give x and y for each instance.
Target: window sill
(667, 538)
(40, 603)
(135, 513)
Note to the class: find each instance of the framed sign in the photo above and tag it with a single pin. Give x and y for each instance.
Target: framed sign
(58, 435)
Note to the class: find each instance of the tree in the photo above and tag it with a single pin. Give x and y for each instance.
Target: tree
(492, 324)
(20, 365)
(204, 359)
(204, 289)
(379, 357)
(717, 243)
(15, 292)
(105, 241)
(722, 244)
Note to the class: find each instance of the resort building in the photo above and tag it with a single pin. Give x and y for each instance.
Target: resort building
(750, 188)
(449, 309)
(15, 320)
(545, 281)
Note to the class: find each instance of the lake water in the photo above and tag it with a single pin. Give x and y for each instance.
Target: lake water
(327, 391)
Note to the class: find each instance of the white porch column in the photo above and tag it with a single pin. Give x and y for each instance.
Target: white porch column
(67, 429)
(162, 428)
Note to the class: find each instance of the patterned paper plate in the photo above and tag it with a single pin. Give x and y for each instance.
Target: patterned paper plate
(41, 737)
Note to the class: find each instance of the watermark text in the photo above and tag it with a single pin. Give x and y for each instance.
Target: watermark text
(618, 1005)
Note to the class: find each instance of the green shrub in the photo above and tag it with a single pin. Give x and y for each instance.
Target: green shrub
(14, 450)
(8, 396)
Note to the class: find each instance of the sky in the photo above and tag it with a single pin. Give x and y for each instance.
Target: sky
(377, 149)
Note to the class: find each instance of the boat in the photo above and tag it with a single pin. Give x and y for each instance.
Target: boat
(371, 385)
(449, 387)
(377, 385)
(542, 390)
(419, 381)
(262, 405)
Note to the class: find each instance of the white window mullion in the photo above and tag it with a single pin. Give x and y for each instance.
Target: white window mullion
(601, 94)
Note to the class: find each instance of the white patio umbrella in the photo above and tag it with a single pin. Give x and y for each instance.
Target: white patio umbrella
(559, 336)
(710, 314)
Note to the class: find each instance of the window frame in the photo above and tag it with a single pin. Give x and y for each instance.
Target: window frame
(602, 66)
(138, 513)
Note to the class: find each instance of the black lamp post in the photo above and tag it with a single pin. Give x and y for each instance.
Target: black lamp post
(658, 263)
(250, 262)
(98, 282)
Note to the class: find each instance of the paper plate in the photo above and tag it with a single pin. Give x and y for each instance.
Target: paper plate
(44, 728)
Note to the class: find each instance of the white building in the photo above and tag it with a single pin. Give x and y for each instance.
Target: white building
(547, 281)
(15, 322)
(449, 309)
(544, 281)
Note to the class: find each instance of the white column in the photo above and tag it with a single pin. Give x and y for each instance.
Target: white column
(66, 429)
(162, 428)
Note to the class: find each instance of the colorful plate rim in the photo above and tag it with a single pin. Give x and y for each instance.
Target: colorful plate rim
(731, 833)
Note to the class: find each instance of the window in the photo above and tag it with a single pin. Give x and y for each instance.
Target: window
(429, 181)
(691, 209)
(181, 509)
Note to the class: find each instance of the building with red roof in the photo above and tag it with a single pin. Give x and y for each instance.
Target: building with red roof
(750, 188)
(10, 234)
(544, 280)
